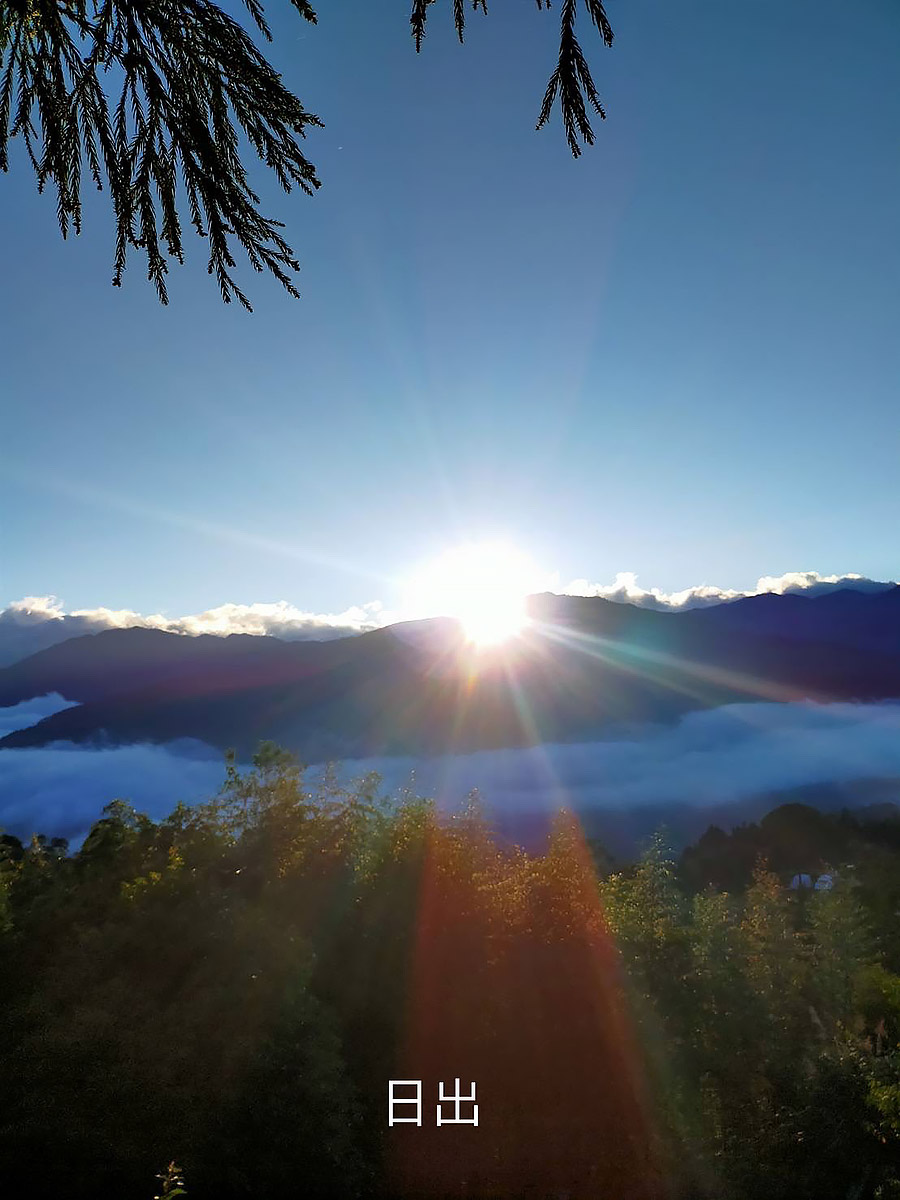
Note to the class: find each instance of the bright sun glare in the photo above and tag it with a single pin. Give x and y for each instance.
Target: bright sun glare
(482, 584)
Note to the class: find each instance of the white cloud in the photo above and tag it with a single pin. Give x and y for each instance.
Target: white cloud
(626, 589)
(29, 712)
(707, 761)
(60, 790)
(719, 756)
(282, 620)
(36, 622)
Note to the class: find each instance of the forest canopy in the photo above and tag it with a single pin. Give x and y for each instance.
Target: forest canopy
(231, 989)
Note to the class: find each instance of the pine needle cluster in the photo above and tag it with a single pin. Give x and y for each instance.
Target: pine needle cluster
(186, 78)
(571, 79)
(152, 97)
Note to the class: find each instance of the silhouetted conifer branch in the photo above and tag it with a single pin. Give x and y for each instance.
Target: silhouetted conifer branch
(152, 96)
(186, 77)
(571, 80)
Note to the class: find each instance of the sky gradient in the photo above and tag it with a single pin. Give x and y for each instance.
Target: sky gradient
(676, 356)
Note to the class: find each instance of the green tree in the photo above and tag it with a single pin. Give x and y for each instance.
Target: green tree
(233, 986)
(147, 95)
(647, 914)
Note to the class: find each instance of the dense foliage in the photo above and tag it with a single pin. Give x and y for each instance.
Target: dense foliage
(230, 990)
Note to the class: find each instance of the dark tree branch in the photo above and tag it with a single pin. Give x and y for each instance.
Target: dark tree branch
(184, 79)
(188, 77)
(571, 80)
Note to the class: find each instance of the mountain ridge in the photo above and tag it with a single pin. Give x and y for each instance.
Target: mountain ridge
(583, 664)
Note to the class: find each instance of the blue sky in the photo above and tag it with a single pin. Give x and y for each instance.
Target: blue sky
(676, 356)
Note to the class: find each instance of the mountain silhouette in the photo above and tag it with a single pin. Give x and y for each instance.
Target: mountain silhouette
(582, 665)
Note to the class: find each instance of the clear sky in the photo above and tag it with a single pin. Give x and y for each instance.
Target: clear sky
(677, 356)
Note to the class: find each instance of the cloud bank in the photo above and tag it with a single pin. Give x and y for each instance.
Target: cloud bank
(709, 758)
(626, 589)
(61, 790)
(708, 761)
(37, 622)
(29, 712)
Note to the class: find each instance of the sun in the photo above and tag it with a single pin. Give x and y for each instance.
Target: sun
(482, 584)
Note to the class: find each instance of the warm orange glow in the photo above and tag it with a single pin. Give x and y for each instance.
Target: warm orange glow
(515, 985)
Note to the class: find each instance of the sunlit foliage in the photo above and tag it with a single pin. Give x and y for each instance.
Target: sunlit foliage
(771, 1032)
(230, 989)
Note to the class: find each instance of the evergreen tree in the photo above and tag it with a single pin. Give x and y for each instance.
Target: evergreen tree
(232, 987)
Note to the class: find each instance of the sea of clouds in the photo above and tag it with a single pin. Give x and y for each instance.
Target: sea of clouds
(709, 761)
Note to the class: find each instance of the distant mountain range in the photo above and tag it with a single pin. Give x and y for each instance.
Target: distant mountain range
(582, 666)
